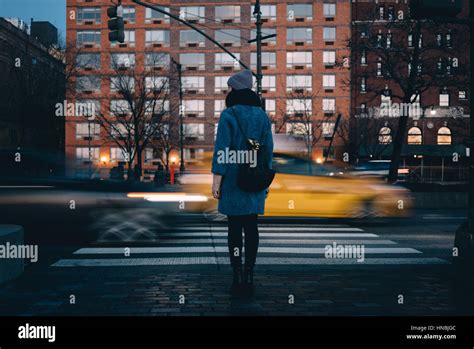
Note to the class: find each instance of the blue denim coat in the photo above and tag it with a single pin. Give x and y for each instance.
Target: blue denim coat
(255, 123)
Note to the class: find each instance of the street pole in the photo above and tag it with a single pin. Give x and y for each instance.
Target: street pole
(181, 127)
(471, 123)
(258, 16)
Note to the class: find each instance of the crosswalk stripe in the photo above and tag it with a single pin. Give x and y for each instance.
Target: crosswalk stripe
(219, 249)
(271, 241)
(133, 262)
(316, 235)
(275, 228)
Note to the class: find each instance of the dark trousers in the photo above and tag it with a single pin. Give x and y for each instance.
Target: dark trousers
(234, 239)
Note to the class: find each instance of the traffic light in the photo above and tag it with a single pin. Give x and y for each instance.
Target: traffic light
(115, 24)
(421, 9)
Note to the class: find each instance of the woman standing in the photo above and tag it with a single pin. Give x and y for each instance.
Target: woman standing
(242, 119)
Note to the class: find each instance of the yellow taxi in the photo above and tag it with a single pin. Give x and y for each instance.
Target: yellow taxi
(303, 188)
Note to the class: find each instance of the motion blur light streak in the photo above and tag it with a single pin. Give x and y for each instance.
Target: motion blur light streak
(164, 197)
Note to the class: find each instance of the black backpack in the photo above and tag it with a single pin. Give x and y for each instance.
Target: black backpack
(254, 179)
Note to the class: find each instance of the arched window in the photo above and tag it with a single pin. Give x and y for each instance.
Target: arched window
(444, 136)
(385, 135)
(415, 136)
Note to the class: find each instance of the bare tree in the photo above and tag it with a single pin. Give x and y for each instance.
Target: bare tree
(139, 113)
(405, 59)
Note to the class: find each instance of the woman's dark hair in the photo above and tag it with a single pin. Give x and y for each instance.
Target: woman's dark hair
(243, 97)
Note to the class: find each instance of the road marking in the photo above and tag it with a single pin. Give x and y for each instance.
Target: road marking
(270, 241)
(134, 262)
(219, 249)
(316, 235)
(277, 228)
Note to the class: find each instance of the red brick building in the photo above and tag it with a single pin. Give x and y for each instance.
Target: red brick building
(299, 64)
(384, 42)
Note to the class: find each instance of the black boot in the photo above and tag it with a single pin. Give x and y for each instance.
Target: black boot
(236, 286)
(248, 280)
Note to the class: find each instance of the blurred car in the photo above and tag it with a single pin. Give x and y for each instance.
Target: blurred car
(304, 188)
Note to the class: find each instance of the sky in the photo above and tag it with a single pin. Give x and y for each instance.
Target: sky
(53, 11)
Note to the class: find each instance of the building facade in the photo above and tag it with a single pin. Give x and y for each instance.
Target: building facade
(32, 83)
(303, 85)
(390, 54)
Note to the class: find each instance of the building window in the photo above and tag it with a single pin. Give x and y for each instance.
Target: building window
(87, 154)
(444, 99)
(329, 10)
(219, 106)
(224, 61)
(299, 83)
(193, 14)
(192, 61)
(88, 83)
(228, 37)
(191, 38)
(220, 84)
(87, 107)
(462, 95)
(444, 136)
(267, 31)
(448, 40)
(268, 60)
(157, 60)
(157, 38)
(193, 84)
(300, 12)
(156, 83)
(415, 136)
(327, 129)
(193, 108)
(329, 81)
(391, 13)
(329, 34)
(193, 154)
(381, 12)
(298, 129)
(194, 131)
(329, 105)
(157, 107)
(88, 60)
(149, 155)
(363, 57)
(119, 107)
(385, 135)
(363, 84)
(410, 40)
(268, 83)
(388, 41)
(379, 72)
(88, 15)
(299, 36)
(88, 38)
(299, 107)
(122, 60)
(152, 16)
(299, 60)
(268, 12)
(439, 40)
(122, 83)
(329, 58)
(87, 131)
(270, 107)
(117, 155)
(228, 14)
(129, 14)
